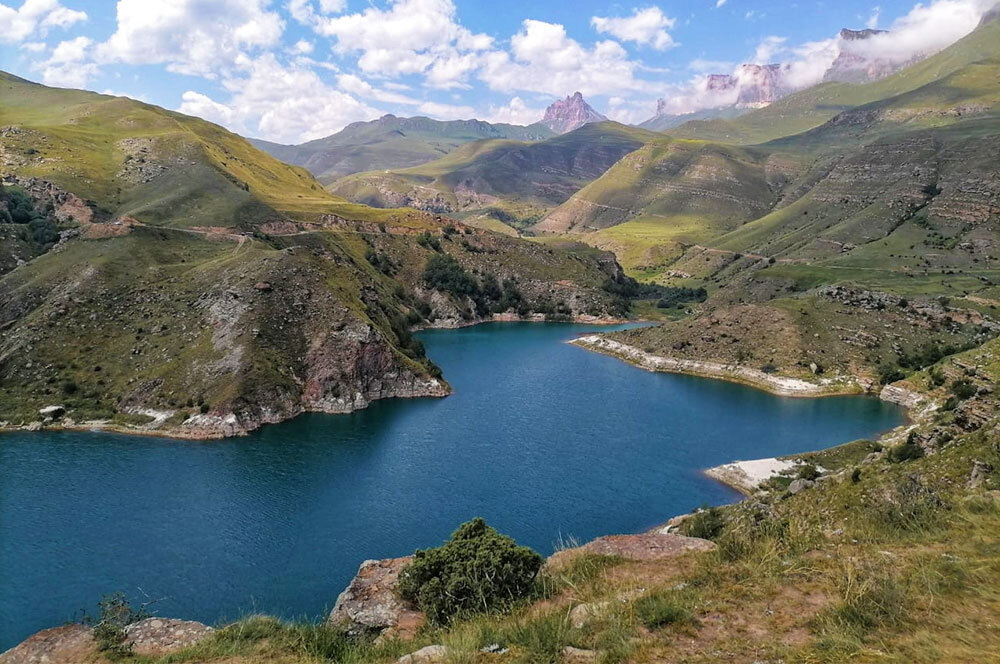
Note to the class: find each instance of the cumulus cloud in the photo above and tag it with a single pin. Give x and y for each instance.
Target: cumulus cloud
(34, 18)
(446, 111)
(645, 26)
(283, 103)
(516, 111)
(66, 67)
(408, 37)
(356, 85)
(197, 37)
(543, 58)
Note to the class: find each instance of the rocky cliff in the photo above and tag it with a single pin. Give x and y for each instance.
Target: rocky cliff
(565, 115)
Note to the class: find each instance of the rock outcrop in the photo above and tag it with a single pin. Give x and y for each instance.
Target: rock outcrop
(160, 636)
(371, 602)
(640, 547)
(571, 113)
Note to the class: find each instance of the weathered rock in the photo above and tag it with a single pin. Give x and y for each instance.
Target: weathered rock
(69, 644)
(582, 614)
(800, 485)
(645, 546)
(159, 636)
(980, 473)
(371, 602)
(426, 655)
(579, 655)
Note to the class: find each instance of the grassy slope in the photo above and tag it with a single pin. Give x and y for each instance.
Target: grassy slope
(522, 178)
(392, 143)
(174, 300)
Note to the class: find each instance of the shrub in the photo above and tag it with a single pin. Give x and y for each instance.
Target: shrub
(444, 273)
(808, 472)
(963, 389)
(657, 609)
(705, 523)
(908, 451)
(115, 615)
(889, 373)
(477, 570)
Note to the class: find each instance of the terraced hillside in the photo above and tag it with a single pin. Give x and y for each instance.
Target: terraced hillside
(391, 143)
(159, 272)
(513, 181)
(896, 202)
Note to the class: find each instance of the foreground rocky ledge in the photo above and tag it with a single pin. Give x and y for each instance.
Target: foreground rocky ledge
(734, 373)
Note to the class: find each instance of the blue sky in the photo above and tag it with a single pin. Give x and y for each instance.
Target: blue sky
(293, 70)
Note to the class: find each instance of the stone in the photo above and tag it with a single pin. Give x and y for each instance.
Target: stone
(160, 636)
(980, 473)
(579, 655)
(69, 644)
(800, 485)
(371, 601)
(644, 546)
(426, 655)
(582, 614)
(263, 286)
(52, 411)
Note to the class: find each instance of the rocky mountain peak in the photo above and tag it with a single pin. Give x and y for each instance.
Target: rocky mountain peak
(759, 85)
(565, 115)
(857, 35)
(856, 62)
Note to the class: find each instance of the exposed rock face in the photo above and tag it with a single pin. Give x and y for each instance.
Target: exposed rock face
(644, 546)
(759, 85)
(857, 61)
(159, 636)
(570, 113)
(74, 644)
(371, 604)
(69, 644)
(426, 655)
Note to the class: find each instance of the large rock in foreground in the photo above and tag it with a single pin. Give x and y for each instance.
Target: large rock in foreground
(645, 546)
(74, 644)
(371, 602)
(69, 644)
(159, 636)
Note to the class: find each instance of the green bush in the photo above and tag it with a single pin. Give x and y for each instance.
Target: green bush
(889, 373)
(963, 389)
(477, 570)
(657, 609)
(109, 631)
(808, 472)
(908, 451)
(444, 273)
(705, 523)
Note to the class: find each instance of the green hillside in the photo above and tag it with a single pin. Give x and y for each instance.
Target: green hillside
(392, 143)
(518, 181)
(159, 271)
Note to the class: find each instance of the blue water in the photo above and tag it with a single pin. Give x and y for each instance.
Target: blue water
(543, 439)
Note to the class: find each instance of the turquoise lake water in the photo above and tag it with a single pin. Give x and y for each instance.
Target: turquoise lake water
(545, 440)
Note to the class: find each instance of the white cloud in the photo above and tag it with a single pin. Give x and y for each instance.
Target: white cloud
(67, 66)
(644, 26)
(628, 111)
(768, 49)
(283, 103)
(544, 59)
(358, 86)
(446, 111)
(302, 47)
(719, 3)
(409, 37)
(515, 112)
(197, 37)
(34, 18)
(34, 47)
(872, 22)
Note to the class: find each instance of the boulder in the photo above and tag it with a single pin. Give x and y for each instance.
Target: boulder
(800, 485)
(645, 546)
(69, 644)
(371, 602)
(582, 614)
(578, 655)
(426, 655)
(160, 636)
(980, 473)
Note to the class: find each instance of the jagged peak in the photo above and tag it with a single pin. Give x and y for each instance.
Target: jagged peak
(565, 115)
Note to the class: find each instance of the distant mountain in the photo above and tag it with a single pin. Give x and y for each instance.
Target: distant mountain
(512, 181)
(392, 142)
(565, 115)
(756, 86)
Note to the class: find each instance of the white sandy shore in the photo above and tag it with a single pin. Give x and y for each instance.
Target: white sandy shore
(746, 476)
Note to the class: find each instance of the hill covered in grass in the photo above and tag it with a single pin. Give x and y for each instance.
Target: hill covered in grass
(160, 272)
(391, 142)
(514, 181)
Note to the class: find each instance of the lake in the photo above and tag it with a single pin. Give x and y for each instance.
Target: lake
(545, 440)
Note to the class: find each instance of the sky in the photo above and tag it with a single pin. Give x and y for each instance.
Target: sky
(295, 70)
